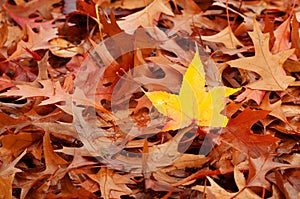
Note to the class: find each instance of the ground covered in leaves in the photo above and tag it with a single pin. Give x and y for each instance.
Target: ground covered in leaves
(79, 117)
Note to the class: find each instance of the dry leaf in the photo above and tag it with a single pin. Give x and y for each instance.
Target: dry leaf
(112, 185)
(225, 37)
(146, 17)
(64, 48)
(53, 91)
(36, 41)
(267, 65)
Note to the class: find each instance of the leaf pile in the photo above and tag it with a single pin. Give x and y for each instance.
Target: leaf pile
(103, 99)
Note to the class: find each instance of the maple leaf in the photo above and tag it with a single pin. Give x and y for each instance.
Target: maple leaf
(36, 41)
(238, 134)
(267, 65)
(193, 103)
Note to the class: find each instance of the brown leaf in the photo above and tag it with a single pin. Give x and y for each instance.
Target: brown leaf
(6, 187)
(238, 134)
(267, 65)
(112, 185)
(295, 35)
(274, 108)
(24, 10)
(36, 41)
(259, 167)
(30, 22)
(216, 191)
(250, 94)
(14, 144)
(7, 174)
(146, 17)
(53, 91)
(4, 33)
(282, 37)
(225, 37)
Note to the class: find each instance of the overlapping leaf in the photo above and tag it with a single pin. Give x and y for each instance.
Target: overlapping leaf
(194, 104)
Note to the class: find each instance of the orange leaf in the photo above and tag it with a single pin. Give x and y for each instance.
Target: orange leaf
(36, 41)
(238, 134)
(53, 91)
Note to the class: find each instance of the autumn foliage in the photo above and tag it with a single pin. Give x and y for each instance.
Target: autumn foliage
(149, 99)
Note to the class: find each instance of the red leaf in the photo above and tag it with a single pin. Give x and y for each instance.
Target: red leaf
(238, 133)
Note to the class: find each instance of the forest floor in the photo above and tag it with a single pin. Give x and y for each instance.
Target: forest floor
(149, 99)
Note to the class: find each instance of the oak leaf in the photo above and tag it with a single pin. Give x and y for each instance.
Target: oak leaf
(238, 134)
(25, 9)
(259, 167)
(36, 41)
(129, 4)
(112, 185)
(216, 191)
(30, 22)
(274, 108)
(145, 17)
(64, 48)
(267, 65)
(225, 37)
(7, 174)
(282, 37)
(194, 103)
(53, 91)
(250, 94)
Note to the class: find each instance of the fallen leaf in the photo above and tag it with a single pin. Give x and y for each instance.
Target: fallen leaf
(30, 22)
(295, 35)
(259, 167)
(282, 37)
(216, 191)
(112, 185)
(250, 94)
(24, 10)
(36, 41)
(225, 37)
(14, 144)
(4, 33)
(238, 134)
(6, 187)
(129, 4)
(52, 160)
(145, 17)
(64, 48)
(194, 103)
(267, 65)
(274, 108)
(7, 174)
(53, 91)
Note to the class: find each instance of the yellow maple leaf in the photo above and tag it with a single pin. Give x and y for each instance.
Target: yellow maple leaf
(194, 104)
